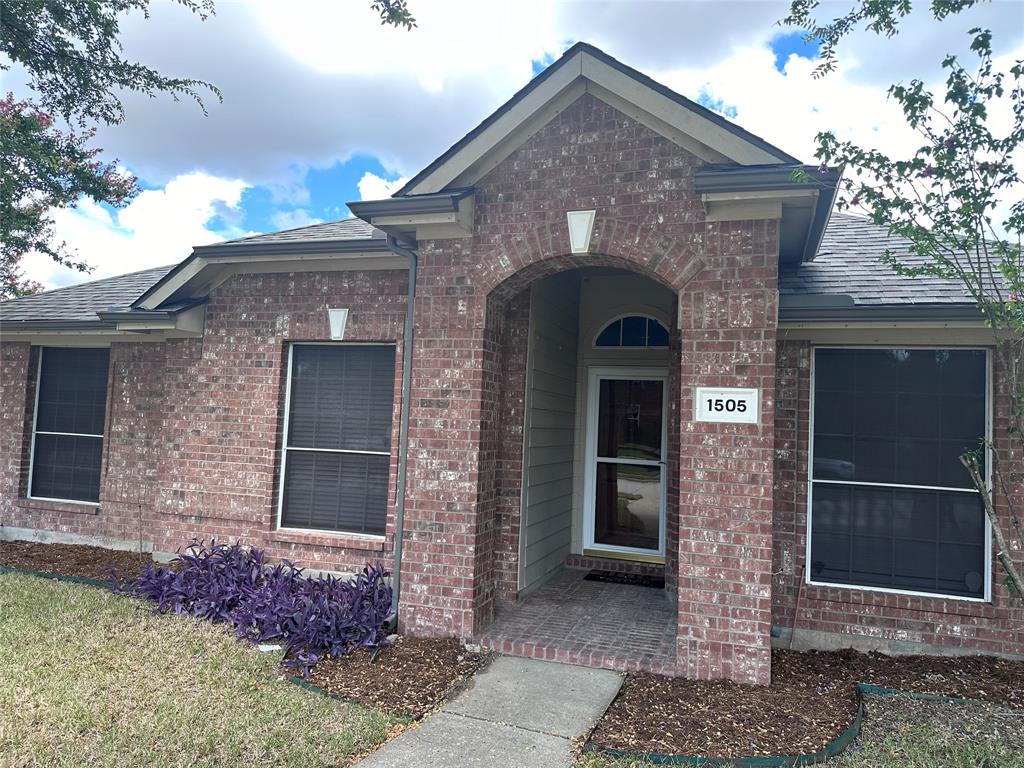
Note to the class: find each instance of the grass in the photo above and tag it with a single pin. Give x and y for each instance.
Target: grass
(901, 732)
(91, 678)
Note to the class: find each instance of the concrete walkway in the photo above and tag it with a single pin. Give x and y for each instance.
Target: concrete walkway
(517, 712)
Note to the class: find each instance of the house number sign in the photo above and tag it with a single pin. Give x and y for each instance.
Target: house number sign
(726, 404)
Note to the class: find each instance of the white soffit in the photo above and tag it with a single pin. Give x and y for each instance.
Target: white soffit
(581, 227)
(584, 73)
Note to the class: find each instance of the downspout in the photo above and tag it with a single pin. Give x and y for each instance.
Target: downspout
(403, 428)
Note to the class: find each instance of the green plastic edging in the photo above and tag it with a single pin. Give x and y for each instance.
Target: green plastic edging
(833, 748)
(878, 690)
(338, 697)
(57, 576)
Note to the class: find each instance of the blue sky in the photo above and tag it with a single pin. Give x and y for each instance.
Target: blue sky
(323, 106)
(329, 189)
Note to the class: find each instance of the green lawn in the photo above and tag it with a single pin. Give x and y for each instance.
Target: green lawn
(91, 678)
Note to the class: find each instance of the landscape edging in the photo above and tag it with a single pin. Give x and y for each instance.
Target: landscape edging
(57, 576)
(833, 748)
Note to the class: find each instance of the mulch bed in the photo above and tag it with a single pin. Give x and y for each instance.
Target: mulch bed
(407, 678)
(811, 701)
(70, 559)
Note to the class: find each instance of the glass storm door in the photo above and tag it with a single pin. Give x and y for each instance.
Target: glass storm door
(624, 496)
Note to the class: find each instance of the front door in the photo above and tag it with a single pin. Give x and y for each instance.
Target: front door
(624, 495)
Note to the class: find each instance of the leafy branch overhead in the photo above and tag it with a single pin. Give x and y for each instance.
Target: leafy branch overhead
(879, 16)
(957, 199)
(75, 64)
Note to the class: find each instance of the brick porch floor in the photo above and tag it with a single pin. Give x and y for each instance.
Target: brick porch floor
(591, 623)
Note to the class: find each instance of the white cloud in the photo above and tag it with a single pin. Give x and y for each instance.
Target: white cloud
(312, 83)
(300, 217)
(158, 227)
(373, 187)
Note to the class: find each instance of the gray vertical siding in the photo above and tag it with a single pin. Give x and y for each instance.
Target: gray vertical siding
(550, 422)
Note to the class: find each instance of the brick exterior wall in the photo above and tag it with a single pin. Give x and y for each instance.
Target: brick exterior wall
(193, 438)
(871, 620)
(194, 431)
(650, 221)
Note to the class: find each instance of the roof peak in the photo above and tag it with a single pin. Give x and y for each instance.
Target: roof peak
(582, 68)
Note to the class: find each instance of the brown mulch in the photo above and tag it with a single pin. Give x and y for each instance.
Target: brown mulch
(811, 701)
(70, 559)
(407, 678)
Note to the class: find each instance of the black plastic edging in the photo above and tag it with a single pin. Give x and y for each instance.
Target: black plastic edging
(57, 576)
(833, 748)
(305, 684)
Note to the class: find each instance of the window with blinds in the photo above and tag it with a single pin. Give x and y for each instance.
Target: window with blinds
(337, 446)
(67, 432)
(891, 505)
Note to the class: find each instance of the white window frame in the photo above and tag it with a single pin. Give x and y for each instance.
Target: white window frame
(988, 480)
(620, 347)
(32, 447)
(285, 448)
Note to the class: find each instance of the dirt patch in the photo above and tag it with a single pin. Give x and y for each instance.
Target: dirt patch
(407, 678)
(811, 701)
(70, 559)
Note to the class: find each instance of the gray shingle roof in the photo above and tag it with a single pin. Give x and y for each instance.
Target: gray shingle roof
(848, 263)
(346, 229)
(78, 303)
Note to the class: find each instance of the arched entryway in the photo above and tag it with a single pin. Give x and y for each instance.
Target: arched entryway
(581, 383)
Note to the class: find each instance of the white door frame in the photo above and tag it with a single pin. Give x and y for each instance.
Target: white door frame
(594, 376)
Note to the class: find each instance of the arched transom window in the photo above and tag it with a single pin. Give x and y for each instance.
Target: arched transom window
(633, 331)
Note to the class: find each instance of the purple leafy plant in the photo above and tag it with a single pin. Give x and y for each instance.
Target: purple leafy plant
(311, 617)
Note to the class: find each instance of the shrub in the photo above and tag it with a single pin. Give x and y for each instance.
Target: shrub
(311, 617)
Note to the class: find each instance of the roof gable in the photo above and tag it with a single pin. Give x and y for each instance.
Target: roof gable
(586, 69)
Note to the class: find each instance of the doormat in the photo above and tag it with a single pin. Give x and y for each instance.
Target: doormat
(636, 579)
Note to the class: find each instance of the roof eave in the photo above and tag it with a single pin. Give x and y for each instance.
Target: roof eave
(411, 205)
(801, 233)
(14, 326)
(347, 245)
(795, 311)
(218, 251)
(584, 48)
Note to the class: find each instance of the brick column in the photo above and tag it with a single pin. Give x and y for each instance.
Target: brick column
(728, 322)
(14, 416)
(443, 562)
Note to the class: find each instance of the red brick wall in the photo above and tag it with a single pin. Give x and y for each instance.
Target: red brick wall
(194, 425)
(204, 415)
(650, 221)
(862, 618)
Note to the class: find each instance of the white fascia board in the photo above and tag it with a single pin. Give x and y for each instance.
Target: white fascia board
(583, 72)
(659, 126)
(676, 115)
(952, 333)
(494, 134)
(161, 295)
(221, 268)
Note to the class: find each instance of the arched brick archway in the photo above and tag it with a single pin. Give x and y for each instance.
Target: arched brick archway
(508, 318)
(725, 277)
(518, 260)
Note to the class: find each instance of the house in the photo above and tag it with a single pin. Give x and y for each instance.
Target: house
(606, 329)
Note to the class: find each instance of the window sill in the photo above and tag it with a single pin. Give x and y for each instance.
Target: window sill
(47, 505)
(324, 539)
(899, 600)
